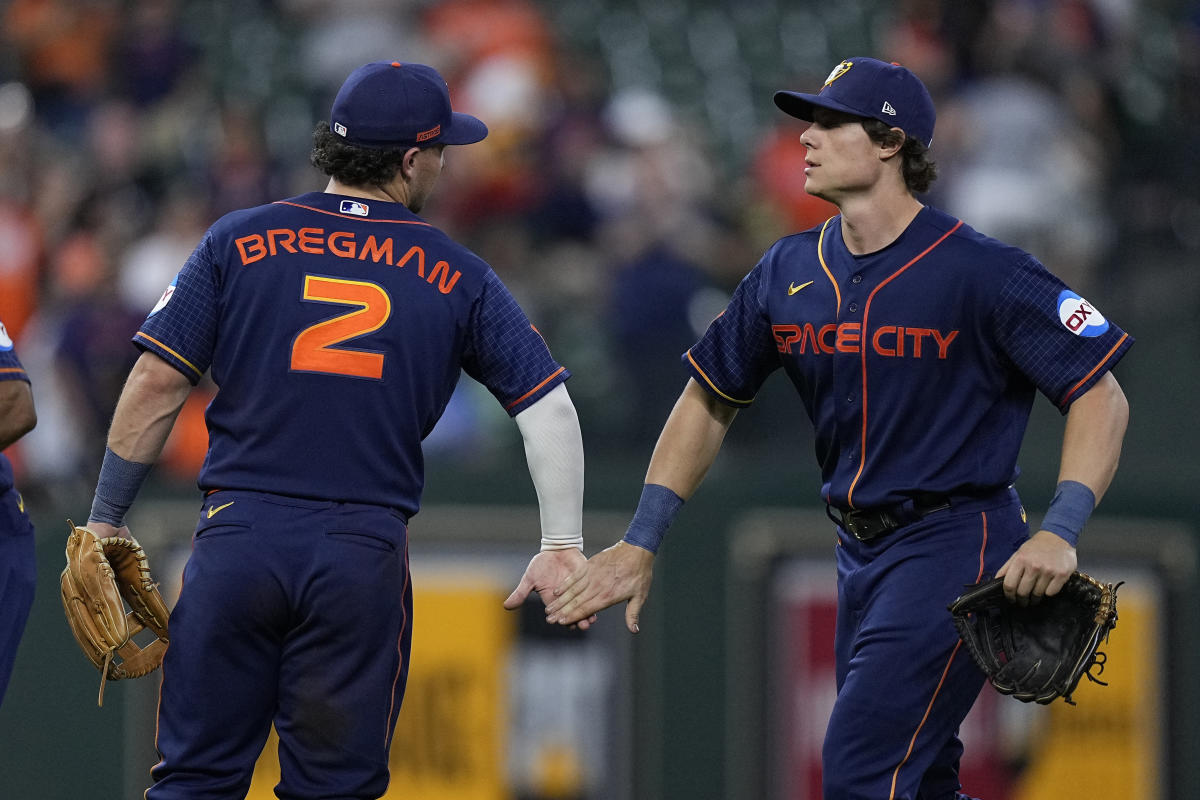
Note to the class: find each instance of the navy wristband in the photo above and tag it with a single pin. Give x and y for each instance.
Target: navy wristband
(1069, 511)
(116, 488)
(655, 511)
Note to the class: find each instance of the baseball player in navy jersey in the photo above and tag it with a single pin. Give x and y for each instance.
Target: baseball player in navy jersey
(18, 569)
(335, 326)
(916, 345)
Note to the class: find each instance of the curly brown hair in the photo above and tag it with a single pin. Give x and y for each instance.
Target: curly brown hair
(919, 169)
(351, 165)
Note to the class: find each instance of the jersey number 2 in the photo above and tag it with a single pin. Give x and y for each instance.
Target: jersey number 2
(314, 348)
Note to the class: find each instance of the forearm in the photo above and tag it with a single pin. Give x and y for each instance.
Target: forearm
(554, 452)
(1094, 433)
(153, 395)
(17, 416)
(690, 441)
(1091, 448)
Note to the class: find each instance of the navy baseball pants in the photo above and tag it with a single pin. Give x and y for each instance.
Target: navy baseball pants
(904, 683)
(296, 612)
(18, 577)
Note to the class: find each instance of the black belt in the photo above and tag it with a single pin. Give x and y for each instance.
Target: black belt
(866, 524)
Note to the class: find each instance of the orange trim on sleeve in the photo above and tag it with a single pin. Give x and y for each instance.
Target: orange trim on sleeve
(534, 390)
(12, 369)
(713, 386)
(862, 456)
(912, 743)
(821, 257)
(1095, 369)
(182, 360)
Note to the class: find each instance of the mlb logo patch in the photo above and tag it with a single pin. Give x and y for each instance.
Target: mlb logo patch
(339, 129)
(354, 207)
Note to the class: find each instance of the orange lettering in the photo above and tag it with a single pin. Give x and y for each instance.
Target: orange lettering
(822, 334)
(785, 335)
(251, 247)
(376, 251)
(847, 337)
(943, 342)
(285, 238)
(341, 252)
(440, 270)
(918, 334)
(879, 348)
(310, 240)
(420, 254)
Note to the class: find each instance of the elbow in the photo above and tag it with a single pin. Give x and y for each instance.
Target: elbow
(27, 421)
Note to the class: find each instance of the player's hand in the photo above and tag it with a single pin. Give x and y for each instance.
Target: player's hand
(1038, 569)
(546, 570)
(103, 530)
(622, 572)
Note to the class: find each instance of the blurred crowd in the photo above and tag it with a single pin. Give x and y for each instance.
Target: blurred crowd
(635, 171)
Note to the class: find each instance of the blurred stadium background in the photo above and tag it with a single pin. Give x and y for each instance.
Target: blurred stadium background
(635, 171)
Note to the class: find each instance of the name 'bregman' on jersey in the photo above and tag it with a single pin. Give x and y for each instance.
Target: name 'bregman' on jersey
(879, 345)
(336, 330)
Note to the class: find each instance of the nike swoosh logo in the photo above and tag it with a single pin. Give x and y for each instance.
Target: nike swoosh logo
(793, 288)
(212, 511)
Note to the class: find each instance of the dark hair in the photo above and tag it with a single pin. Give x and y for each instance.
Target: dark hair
(351, 165)
(918, 168)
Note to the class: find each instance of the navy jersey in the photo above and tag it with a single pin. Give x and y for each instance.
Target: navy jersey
(335, 329)
(917, 364)
(10, 370)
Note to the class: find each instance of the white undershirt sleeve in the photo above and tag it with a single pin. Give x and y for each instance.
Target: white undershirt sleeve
(554, 451)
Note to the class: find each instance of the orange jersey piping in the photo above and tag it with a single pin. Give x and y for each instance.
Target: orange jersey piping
(862, 456)
(532, 391)
(154, 341)
(713, 386)
(912, 743)
(348, 216)
(1096, 368)
(821, 257)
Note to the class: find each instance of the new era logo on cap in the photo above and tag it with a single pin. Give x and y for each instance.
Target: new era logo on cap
(868, 87)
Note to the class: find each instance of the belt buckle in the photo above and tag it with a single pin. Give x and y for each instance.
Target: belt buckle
(866, 526)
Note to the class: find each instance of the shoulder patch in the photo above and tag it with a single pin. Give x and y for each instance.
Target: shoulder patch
(6, 342)
(1079, 316)
(166, 298)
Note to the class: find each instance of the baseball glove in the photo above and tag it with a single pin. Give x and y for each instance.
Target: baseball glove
(101, 575)
(1038, 652)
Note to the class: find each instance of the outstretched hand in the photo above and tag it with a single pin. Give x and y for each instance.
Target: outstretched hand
(621, 572)
(1039, 568)
(547, 570)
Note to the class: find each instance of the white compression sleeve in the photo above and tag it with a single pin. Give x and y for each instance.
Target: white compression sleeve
(554, 451)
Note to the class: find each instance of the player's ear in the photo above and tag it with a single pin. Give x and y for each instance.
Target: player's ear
(409, 162)
(892, 143)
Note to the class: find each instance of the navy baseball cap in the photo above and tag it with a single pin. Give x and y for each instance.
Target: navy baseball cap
(867, 87)
(396, 104)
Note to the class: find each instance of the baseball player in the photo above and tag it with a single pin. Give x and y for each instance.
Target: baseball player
(335, 326)
(916, 345)
(18, 570)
